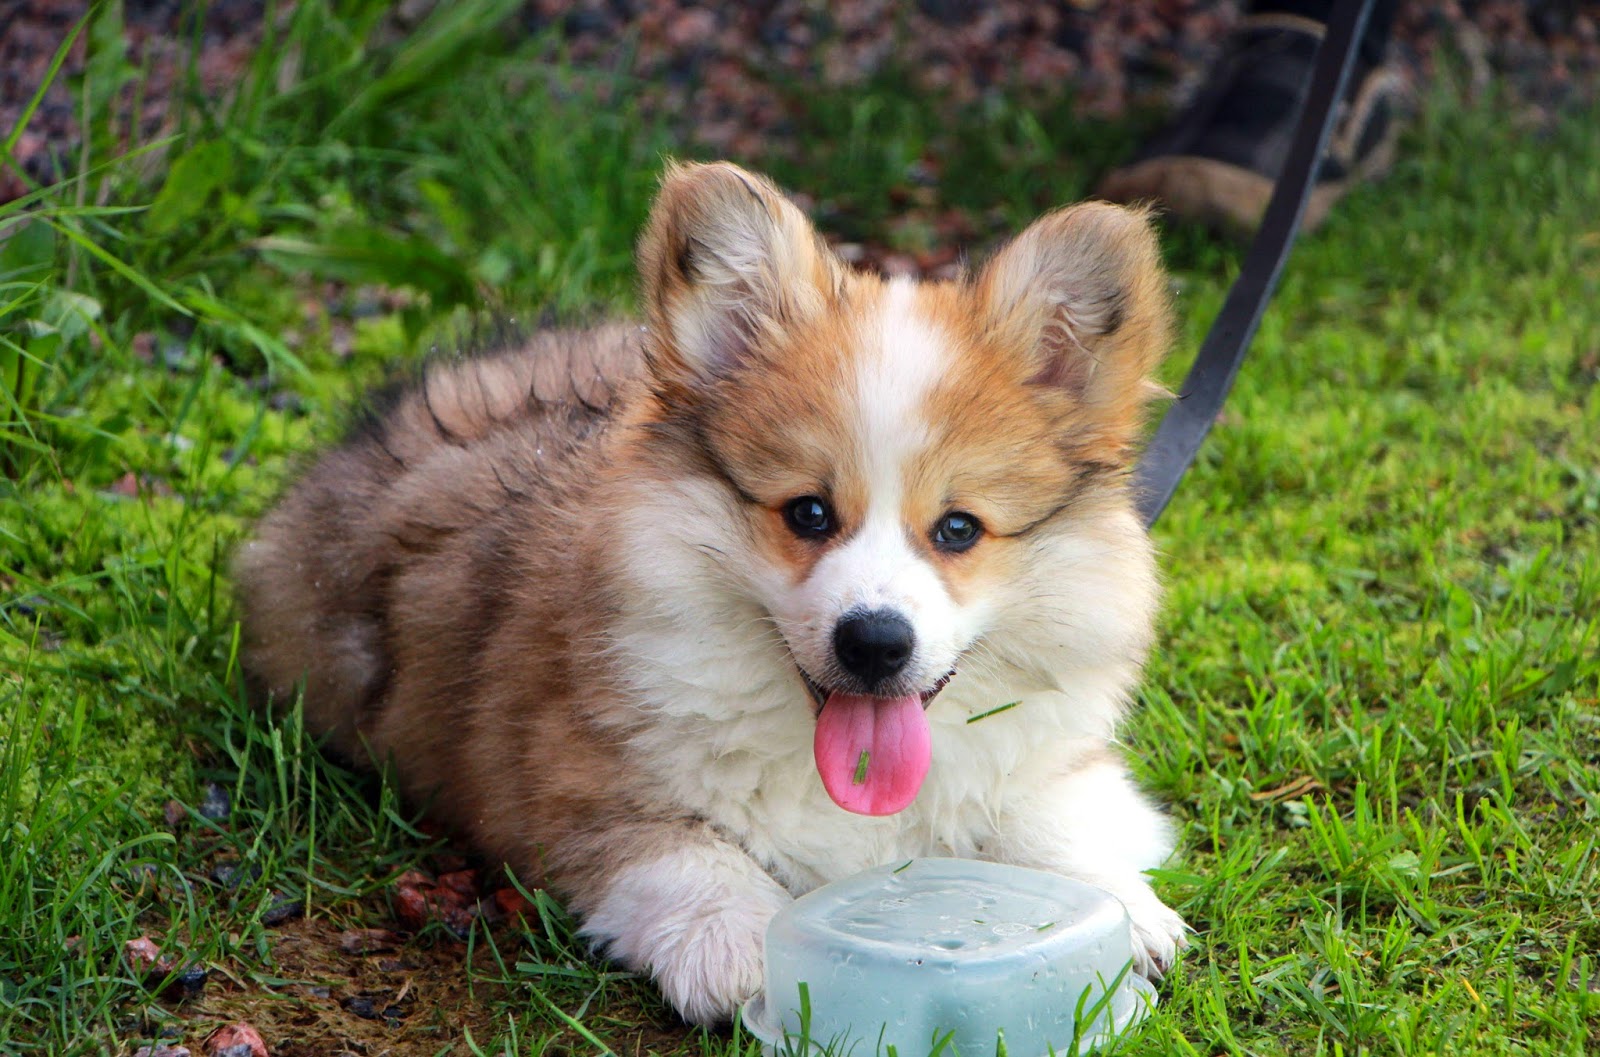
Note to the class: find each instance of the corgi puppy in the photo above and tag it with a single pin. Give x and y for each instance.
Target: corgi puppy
(815, 571)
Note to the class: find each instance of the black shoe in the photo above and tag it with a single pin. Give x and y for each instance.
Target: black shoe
(1216, 162)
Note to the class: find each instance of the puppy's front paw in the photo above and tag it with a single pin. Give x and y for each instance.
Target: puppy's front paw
(714, 966)
(1158, 934)
(694, 920)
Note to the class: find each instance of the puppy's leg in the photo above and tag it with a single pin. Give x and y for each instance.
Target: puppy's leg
(692, 913)
(1088, 821)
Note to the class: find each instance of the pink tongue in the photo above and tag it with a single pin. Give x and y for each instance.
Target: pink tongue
(872, 752)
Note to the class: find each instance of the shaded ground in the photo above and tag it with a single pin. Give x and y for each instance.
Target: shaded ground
(413, 968)
(415, 996)
(726, 74)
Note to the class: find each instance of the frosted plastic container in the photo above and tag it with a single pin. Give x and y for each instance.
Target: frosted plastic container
(907, 954)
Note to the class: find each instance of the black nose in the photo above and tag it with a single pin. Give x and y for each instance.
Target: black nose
(873, 646)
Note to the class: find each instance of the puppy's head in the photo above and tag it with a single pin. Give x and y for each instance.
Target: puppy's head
(912, 481)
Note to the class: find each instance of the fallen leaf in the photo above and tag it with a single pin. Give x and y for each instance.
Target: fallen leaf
(1297, 788)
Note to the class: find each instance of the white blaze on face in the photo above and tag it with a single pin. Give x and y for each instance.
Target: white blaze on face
(877, 566)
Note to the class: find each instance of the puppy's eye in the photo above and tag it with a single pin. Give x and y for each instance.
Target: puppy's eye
(956, 531)
(808, 516)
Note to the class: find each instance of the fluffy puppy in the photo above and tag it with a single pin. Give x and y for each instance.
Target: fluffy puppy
(688, 619)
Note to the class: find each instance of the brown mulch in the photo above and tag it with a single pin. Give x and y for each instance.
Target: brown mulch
(724, 72)
(327, 1000)
(399, 986)
(329, 996)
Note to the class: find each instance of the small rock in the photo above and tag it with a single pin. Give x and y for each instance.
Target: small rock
(155, 969)
(368, 941)
(144, 957)
(126, 486)
(236, 1040)
(362, 1006)
(410, 906)
(230, 874)
(414, 878)
(214, 803)
(418, 899)
(189, 982)
(143, 346)
(464, 883)
(282, 909)
(161, 1049)
(174, 812)
(510, 902)
(145, 878)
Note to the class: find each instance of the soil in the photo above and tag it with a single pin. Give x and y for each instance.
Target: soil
(323, 995)
(413, 1000)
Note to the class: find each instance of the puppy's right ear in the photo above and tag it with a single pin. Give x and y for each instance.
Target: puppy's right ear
(726, 260)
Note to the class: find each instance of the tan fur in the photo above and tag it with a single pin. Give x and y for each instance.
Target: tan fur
(419, 579)
(446, 582)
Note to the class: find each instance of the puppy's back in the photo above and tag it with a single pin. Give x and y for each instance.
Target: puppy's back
(447, 453)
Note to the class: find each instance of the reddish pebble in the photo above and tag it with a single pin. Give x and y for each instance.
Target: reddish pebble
(174, 813)
(463, 883)
(510, 902)
(144, 956)
(414, 879)
(236, 1040)
(410, 906)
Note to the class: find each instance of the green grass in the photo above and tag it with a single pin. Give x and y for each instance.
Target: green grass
(1375, 710)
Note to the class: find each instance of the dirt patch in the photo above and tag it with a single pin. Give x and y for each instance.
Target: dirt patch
(317, 998)
(320, 1000)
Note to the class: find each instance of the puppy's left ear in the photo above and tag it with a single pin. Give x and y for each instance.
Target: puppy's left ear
(1081, 292)
(726, 262)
